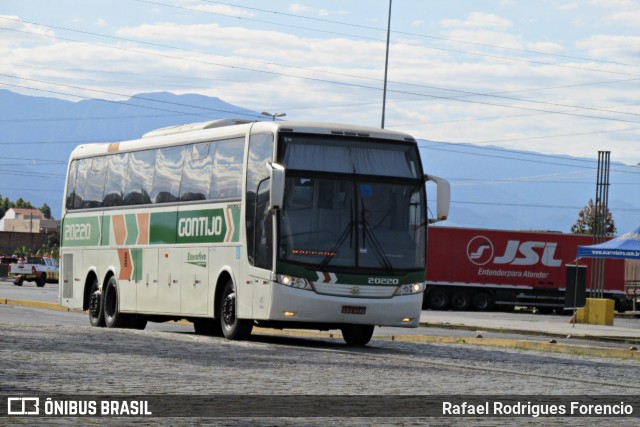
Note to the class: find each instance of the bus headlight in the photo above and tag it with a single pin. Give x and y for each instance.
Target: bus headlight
(294, 282)
(411, 288)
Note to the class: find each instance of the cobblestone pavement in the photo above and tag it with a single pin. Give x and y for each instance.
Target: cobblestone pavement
(46, 359)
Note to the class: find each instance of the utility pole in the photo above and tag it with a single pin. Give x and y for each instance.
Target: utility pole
(386, 67)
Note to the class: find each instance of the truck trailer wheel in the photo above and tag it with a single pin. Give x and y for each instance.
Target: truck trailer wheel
(482, 301)
(460, 301)
(438, 300)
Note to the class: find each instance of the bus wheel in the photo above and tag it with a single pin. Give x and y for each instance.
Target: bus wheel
(460, 301)
(96, 312)
(210, 327)
(438, 300)
(112, 316)
(357, 335)
(42, 280)
(232, 327)
(482, 301)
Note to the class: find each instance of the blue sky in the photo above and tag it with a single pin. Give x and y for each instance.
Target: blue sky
(552, 76)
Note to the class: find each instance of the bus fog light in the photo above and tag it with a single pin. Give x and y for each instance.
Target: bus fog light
(407, 319)
(293, 282)
(289, 313)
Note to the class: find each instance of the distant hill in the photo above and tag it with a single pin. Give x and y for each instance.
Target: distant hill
(491, 188)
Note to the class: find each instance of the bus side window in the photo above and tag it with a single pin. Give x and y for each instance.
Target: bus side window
(116, 178)
(226, 179)
(71, 184)
(139, 177)
(167, 175)
(94, 186)
(197, 172)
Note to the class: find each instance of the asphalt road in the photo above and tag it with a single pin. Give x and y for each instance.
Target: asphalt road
(50, 353)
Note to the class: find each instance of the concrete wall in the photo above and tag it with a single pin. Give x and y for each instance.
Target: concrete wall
(10, 240)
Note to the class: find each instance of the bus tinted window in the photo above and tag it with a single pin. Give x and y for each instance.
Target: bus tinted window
(226, 181)
(84, 166)
(94, 185)
(71, 184)
(116, 178)
(139, 177)
(196, 174)
(202, 171)
(168, 171)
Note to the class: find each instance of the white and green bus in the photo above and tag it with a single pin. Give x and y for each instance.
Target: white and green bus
(231, 224)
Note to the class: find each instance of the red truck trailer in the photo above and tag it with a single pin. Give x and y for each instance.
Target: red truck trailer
(479, 269)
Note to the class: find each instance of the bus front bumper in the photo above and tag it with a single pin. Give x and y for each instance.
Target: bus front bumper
(297, 305)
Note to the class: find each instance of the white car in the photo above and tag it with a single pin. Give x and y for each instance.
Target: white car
(35, 269)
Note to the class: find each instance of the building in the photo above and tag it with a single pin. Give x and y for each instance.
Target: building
(27, 221)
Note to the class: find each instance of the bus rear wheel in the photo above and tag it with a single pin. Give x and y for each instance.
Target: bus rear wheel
(111, 306)
(232, 327)
(357, 335)
(96, 311)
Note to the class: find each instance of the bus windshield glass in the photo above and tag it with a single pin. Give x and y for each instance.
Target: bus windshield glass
(352, 205)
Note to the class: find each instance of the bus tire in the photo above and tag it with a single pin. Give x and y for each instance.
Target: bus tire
(111, 306)
(482, 301)
(41, 280)
(357, 335)
(96, 307)
(211, 327)
(438, 299)
(460, 301)
(232, 327)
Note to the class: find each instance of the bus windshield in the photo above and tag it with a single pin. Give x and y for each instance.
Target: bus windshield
(352, 206)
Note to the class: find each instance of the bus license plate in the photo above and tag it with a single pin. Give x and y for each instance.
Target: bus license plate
(349, 309)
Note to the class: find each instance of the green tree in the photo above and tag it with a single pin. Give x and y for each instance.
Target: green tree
(22, 252)
(46, 210)
(22, 204)
(586, 222)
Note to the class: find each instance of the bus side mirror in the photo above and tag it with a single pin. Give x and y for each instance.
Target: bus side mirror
(276, 174)
(443, 193)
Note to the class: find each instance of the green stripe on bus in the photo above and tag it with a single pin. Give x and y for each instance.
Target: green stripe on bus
(132, 229)
(136, 259)
(106, 228)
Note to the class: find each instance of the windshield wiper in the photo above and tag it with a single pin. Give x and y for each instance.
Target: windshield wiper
(375, 244)
(348, 231)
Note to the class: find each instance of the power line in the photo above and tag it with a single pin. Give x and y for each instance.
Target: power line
(349, 24)
(371, 38)
(460, 99)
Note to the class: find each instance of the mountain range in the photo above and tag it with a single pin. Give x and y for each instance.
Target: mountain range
(492, 187)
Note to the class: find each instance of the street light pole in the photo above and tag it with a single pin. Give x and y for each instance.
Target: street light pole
(274, 115)
(386, 67)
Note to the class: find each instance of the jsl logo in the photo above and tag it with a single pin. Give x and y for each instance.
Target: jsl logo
(480, 251)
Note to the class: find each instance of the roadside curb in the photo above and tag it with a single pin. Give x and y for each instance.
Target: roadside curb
(575, 349)
(574, 334)
(36, 304)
